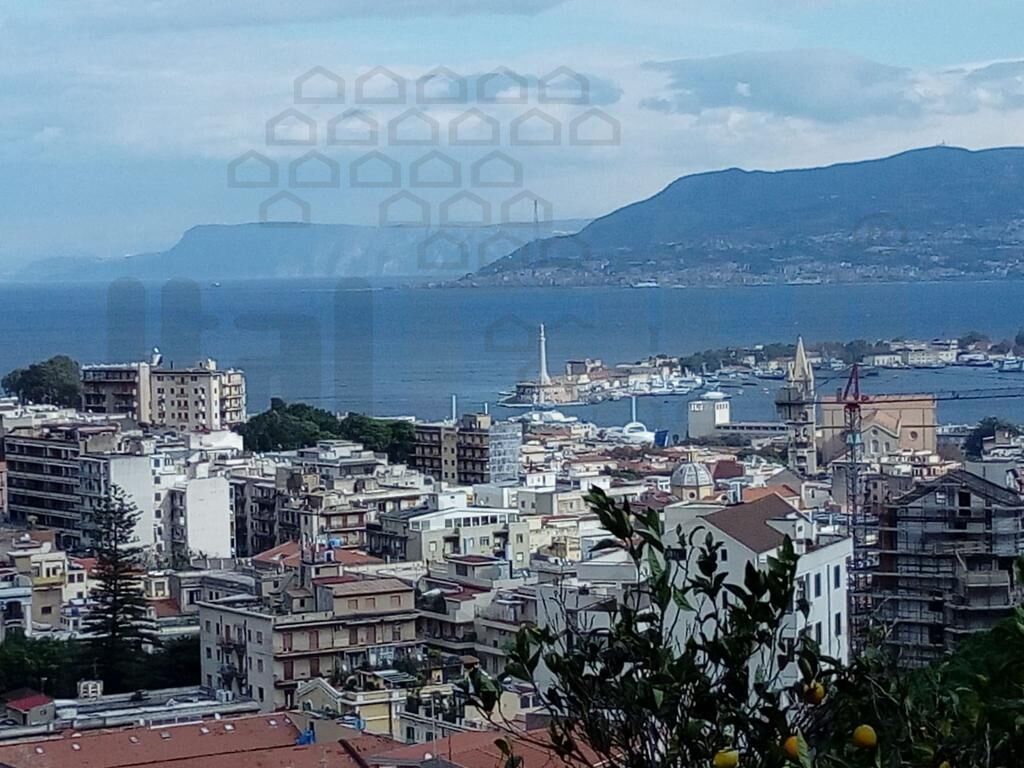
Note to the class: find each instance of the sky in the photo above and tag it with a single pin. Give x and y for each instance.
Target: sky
(123, 123)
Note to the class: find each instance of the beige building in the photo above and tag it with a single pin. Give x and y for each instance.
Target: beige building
(455, 452)
(329, 626)
(47, 569)
(888, 423)
(202, 398)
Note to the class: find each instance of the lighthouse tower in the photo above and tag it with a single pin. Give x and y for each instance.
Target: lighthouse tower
(544, 378)
(795, 406)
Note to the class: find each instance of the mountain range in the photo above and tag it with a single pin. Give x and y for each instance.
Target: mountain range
(932, 213)
(277, 250)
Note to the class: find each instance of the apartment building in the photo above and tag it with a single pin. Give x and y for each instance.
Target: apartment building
(197, 398)
(122, 389)
(946, 563)
(43, 474)
(200, 398)
(98, 473)
(329, 625)
(15, 603)
(195, 516)
(432, 533)
(751, 533)
(468, 451)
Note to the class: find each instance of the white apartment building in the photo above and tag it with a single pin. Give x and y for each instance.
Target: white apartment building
(753, 532)
(133, 473)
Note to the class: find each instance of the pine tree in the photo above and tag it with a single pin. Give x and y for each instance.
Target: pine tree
(116, 624)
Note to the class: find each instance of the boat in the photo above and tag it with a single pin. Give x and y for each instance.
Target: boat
(1011, 364)
(776, 374)
(646, 284)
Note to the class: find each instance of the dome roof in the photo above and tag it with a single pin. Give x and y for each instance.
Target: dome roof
(691, 475)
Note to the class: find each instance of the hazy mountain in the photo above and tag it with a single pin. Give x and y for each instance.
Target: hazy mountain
(934, 212)
(241, 251)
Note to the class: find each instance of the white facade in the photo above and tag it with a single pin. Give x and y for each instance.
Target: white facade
(133, 474)
(704, 415)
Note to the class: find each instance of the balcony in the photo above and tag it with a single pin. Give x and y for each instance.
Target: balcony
(56, 580)
(231, 643)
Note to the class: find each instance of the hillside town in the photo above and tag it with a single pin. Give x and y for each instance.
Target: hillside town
(337, 600)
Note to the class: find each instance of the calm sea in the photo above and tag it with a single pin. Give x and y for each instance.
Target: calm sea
(406, 351)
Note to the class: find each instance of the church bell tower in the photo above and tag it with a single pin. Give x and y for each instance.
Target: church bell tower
(795, 406)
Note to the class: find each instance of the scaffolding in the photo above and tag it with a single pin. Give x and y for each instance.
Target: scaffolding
(861, 519)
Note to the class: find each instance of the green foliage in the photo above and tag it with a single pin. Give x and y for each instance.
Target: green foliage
(116, 624)
(285, 427)
(986, 428)
(57, 381)
(682, 668)
(687, 664)
(56, 666)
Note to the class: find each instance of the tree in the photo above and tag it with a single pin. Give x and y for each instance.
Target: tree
(285, 427)
(987, 427)
(686, 666)
(57, 381)
(634, 691)
(116, 623)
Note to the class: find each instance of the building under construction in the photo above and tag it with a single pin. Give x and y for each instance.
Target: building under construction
(946, 554)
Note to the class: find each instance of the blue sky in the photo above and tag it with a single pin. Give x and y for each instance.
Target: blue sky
(119, 118)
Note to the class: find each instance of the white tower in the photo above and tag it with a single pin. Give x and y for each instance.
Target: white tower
(544, 378)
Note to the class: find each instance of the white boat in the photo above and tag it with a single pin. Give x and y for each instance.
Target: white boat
(1011, 364)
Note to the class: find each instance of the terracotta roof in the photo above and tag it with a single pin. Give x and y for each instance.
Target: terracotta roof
(753, 494)
(476, 750)
(280, 555)
(227, 742)
(288, 555)
(88, 564)
(164, 608)
(725, 469)
(748, 523)
(25, 699)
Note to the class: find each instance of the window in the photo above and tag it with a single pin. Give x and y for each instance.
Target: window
(286, 642)
(353, 636)
(209, 652)
(396, 633)
(839, 625)
(519, 538)
(47, 610)
(817, 632)
(837, 576)
(259, 694)
(314, 666)
(259, 665)
(289, 670)
(259, 636)
(314, 640)
(371, 602)
(817, 585)
(725, 555)
(353, 605)
(396, 601)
